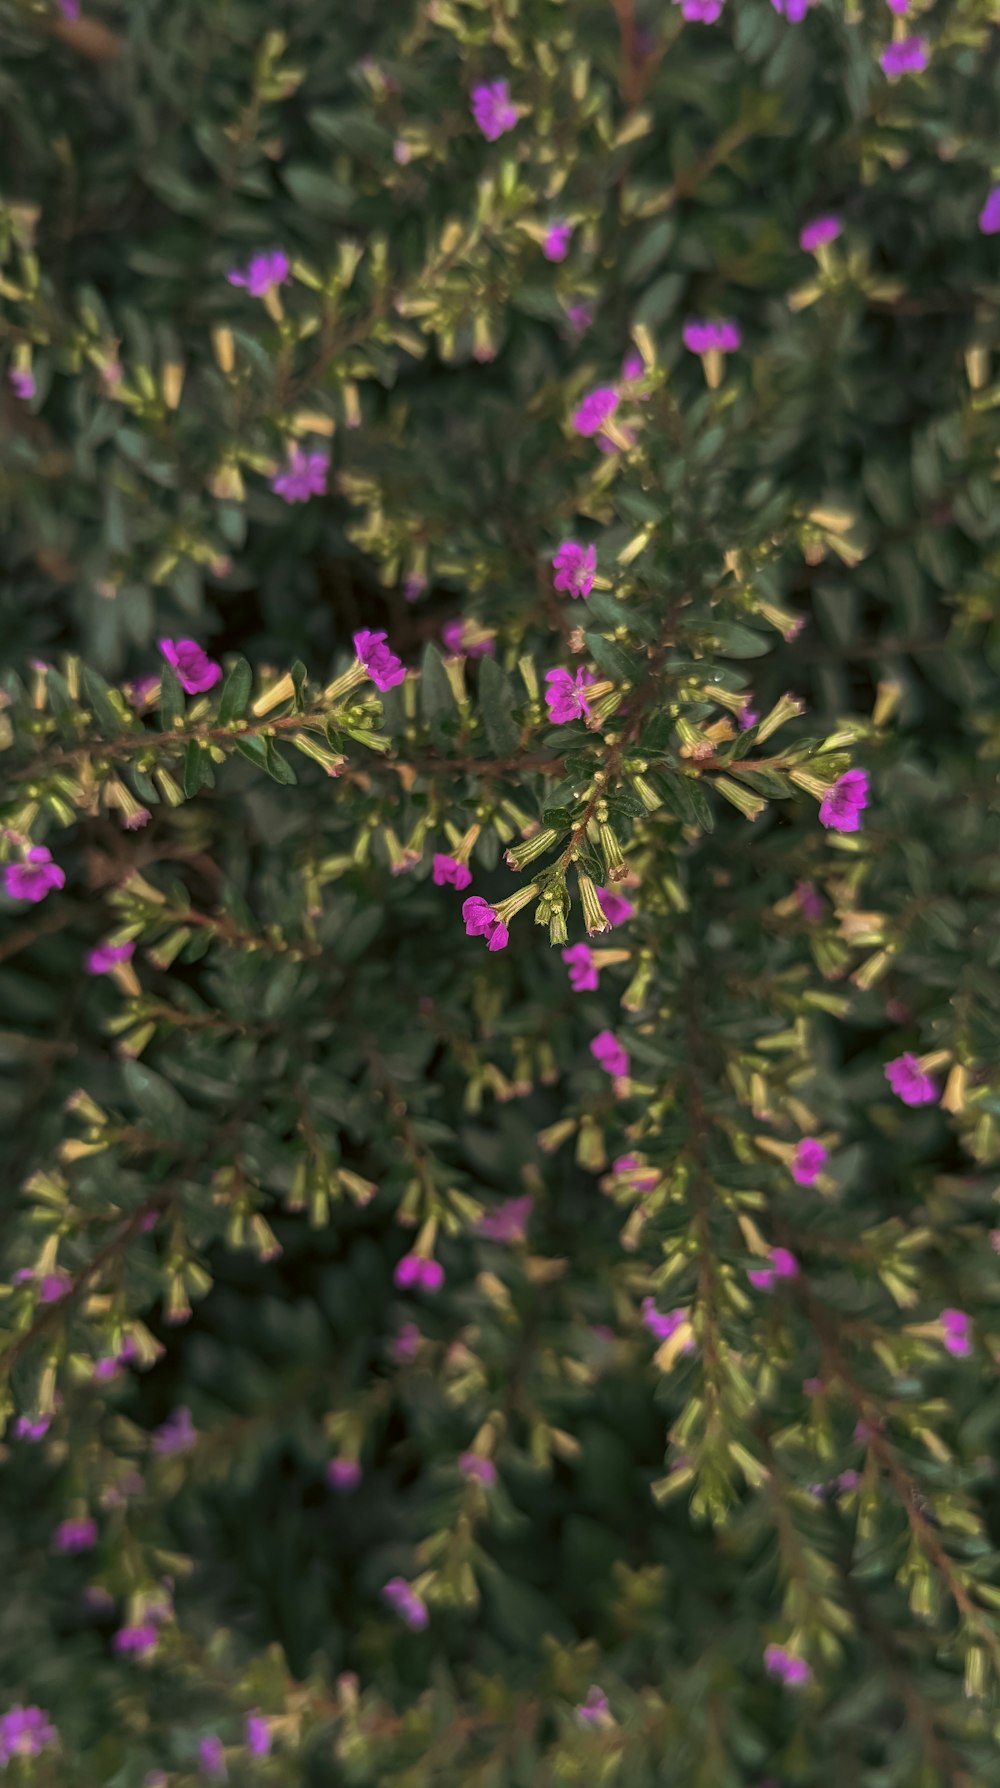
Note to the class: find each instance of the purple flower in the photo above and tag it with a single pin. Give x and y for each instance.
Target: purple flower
(614, 906)
(343, 1474)
(76, 1535)
(909, 56)
(70, 9)
(32, 1428)
(177, 1434)
(641, 1178)
(481, 921)
(267, 270)
(574, 568)
(583, 973)
(821, 230)
(22, 382)
(700, 12)
(406, 1342)
(448, 872)
(557, 241)
(456, 640)
(257, 1732)
(845, 800)
(792, 1670)
(610, 1054)
(105, 957)
(136, 1641)
(53, 1286)
(509, 1221)
(702, 336)
(415, 1271)
(35, 877)
(595, 409)
(663, 1326)
(378, 660)
(899, 6)
(955, 1324)
(793, 10)
(304, 476)
(473, 1465)
(594, 1711)
(579, 316)
(807, 1161)
(141, 689)
(406, 1603)
(24, 1732)
(989, 216)
(493, 109)
(909, 1081)
(810, 902)
(783, 1266)
(196, 672)
(414, 586)
(565, 697)
(211, 1758)
(746, 718)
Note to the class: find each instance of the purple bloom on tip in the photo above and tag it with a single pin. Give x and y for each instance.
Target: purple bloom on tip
(807, 1161)
(136, 1641)
(574, 568)
(196, 672)
(909, 1081)
(565, 696)
(257, 1732)
(844, 802)
(75, 1535)
(819, 232)
(810, 902)
(343, 1474)
(414, 1272)
(265, 273)
(909, 56)
(701, 336)
(662, 1325)
(849, 1480)
(212, 1758)
(35, 877)
(592, 413)
(746, 718)
(583, 973)
(406, 1603)
(32, 1428)
(989, 216)
(481, 921)
(70, 9)
(448, 872)
(641, 1178)
(509, 1221)
(414, 586)
(139, 817)
(454, 636)
(610, 1055)
(579, 316)
(493, 109)
(793, 10)
(957, 1339)
(783, 1266)
(176, 1435)
(378, 660)
(22, 383)
(473, 1465)
(557, 241)
(304, 476)
(899, 7)
(792, 1670)
(53, 1286)
(594, 1711)
(105, 957)
(24, 1732)
(615, 907)
(406, 1342)
(700, 12)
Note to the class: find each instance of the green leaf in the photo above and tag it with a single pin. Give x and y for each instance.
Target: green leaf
(156, 1100)
(610, 658)
(171, 699)
(496, 702)
(235, 692)
(318, 193)
(278, 766)
(98, 698)
(197, 769)
(559, 818)
(437, 698)
(737, 641)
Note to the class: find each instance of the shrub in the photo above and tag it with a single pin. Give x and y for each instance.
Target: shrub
(501, 939)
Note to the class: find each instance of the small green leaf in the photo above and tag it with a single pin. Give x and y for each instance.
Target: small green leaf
(235, 692)
(737, 641)
(278, 766)
(155, 1100)
(496, 701)
(610, 658)
(99, 700)
(437, 698)
(197, 769)
(171, 699)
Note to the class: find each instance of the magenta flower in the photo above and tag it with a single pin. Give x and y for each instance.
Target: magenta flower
(70, 9)
(493, 109)
(343, 1474)
(641, 1179)
(406, 1603)
(414, 586)
(473, 1465)
(819, 232)
(76, 1535)
(53, 1286)
(596, 407)
(105, 957)
(594, 1711)
(304, 476)
(35, 877)
(579, 316)
(700, 12)
(448, 872)
(266, 271)
(955, 1324)
(378, 660)
(899, 6)
(844, 802)
(793, 10)
(406, 1342)
(509, 1221)
(583, 972)
(574, 568)
(661, 1325)
(989, 216)
(808, 1161)
(136, 1641)
(22, 383)
(810, 902)
(196, 672)
(31, 1428)
(909, 1081)
(614, 906)
(177, 1434)
(701, 336)
(565, 697)
(481, 921)
(24, 1732)
(453, 634)
(746, 718)
(792, 1670)
(257, 1732)
(783, 1266)
(414, 1272)
(909, 56)
(212, 1758)
(610, 1054)
(557, 241)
